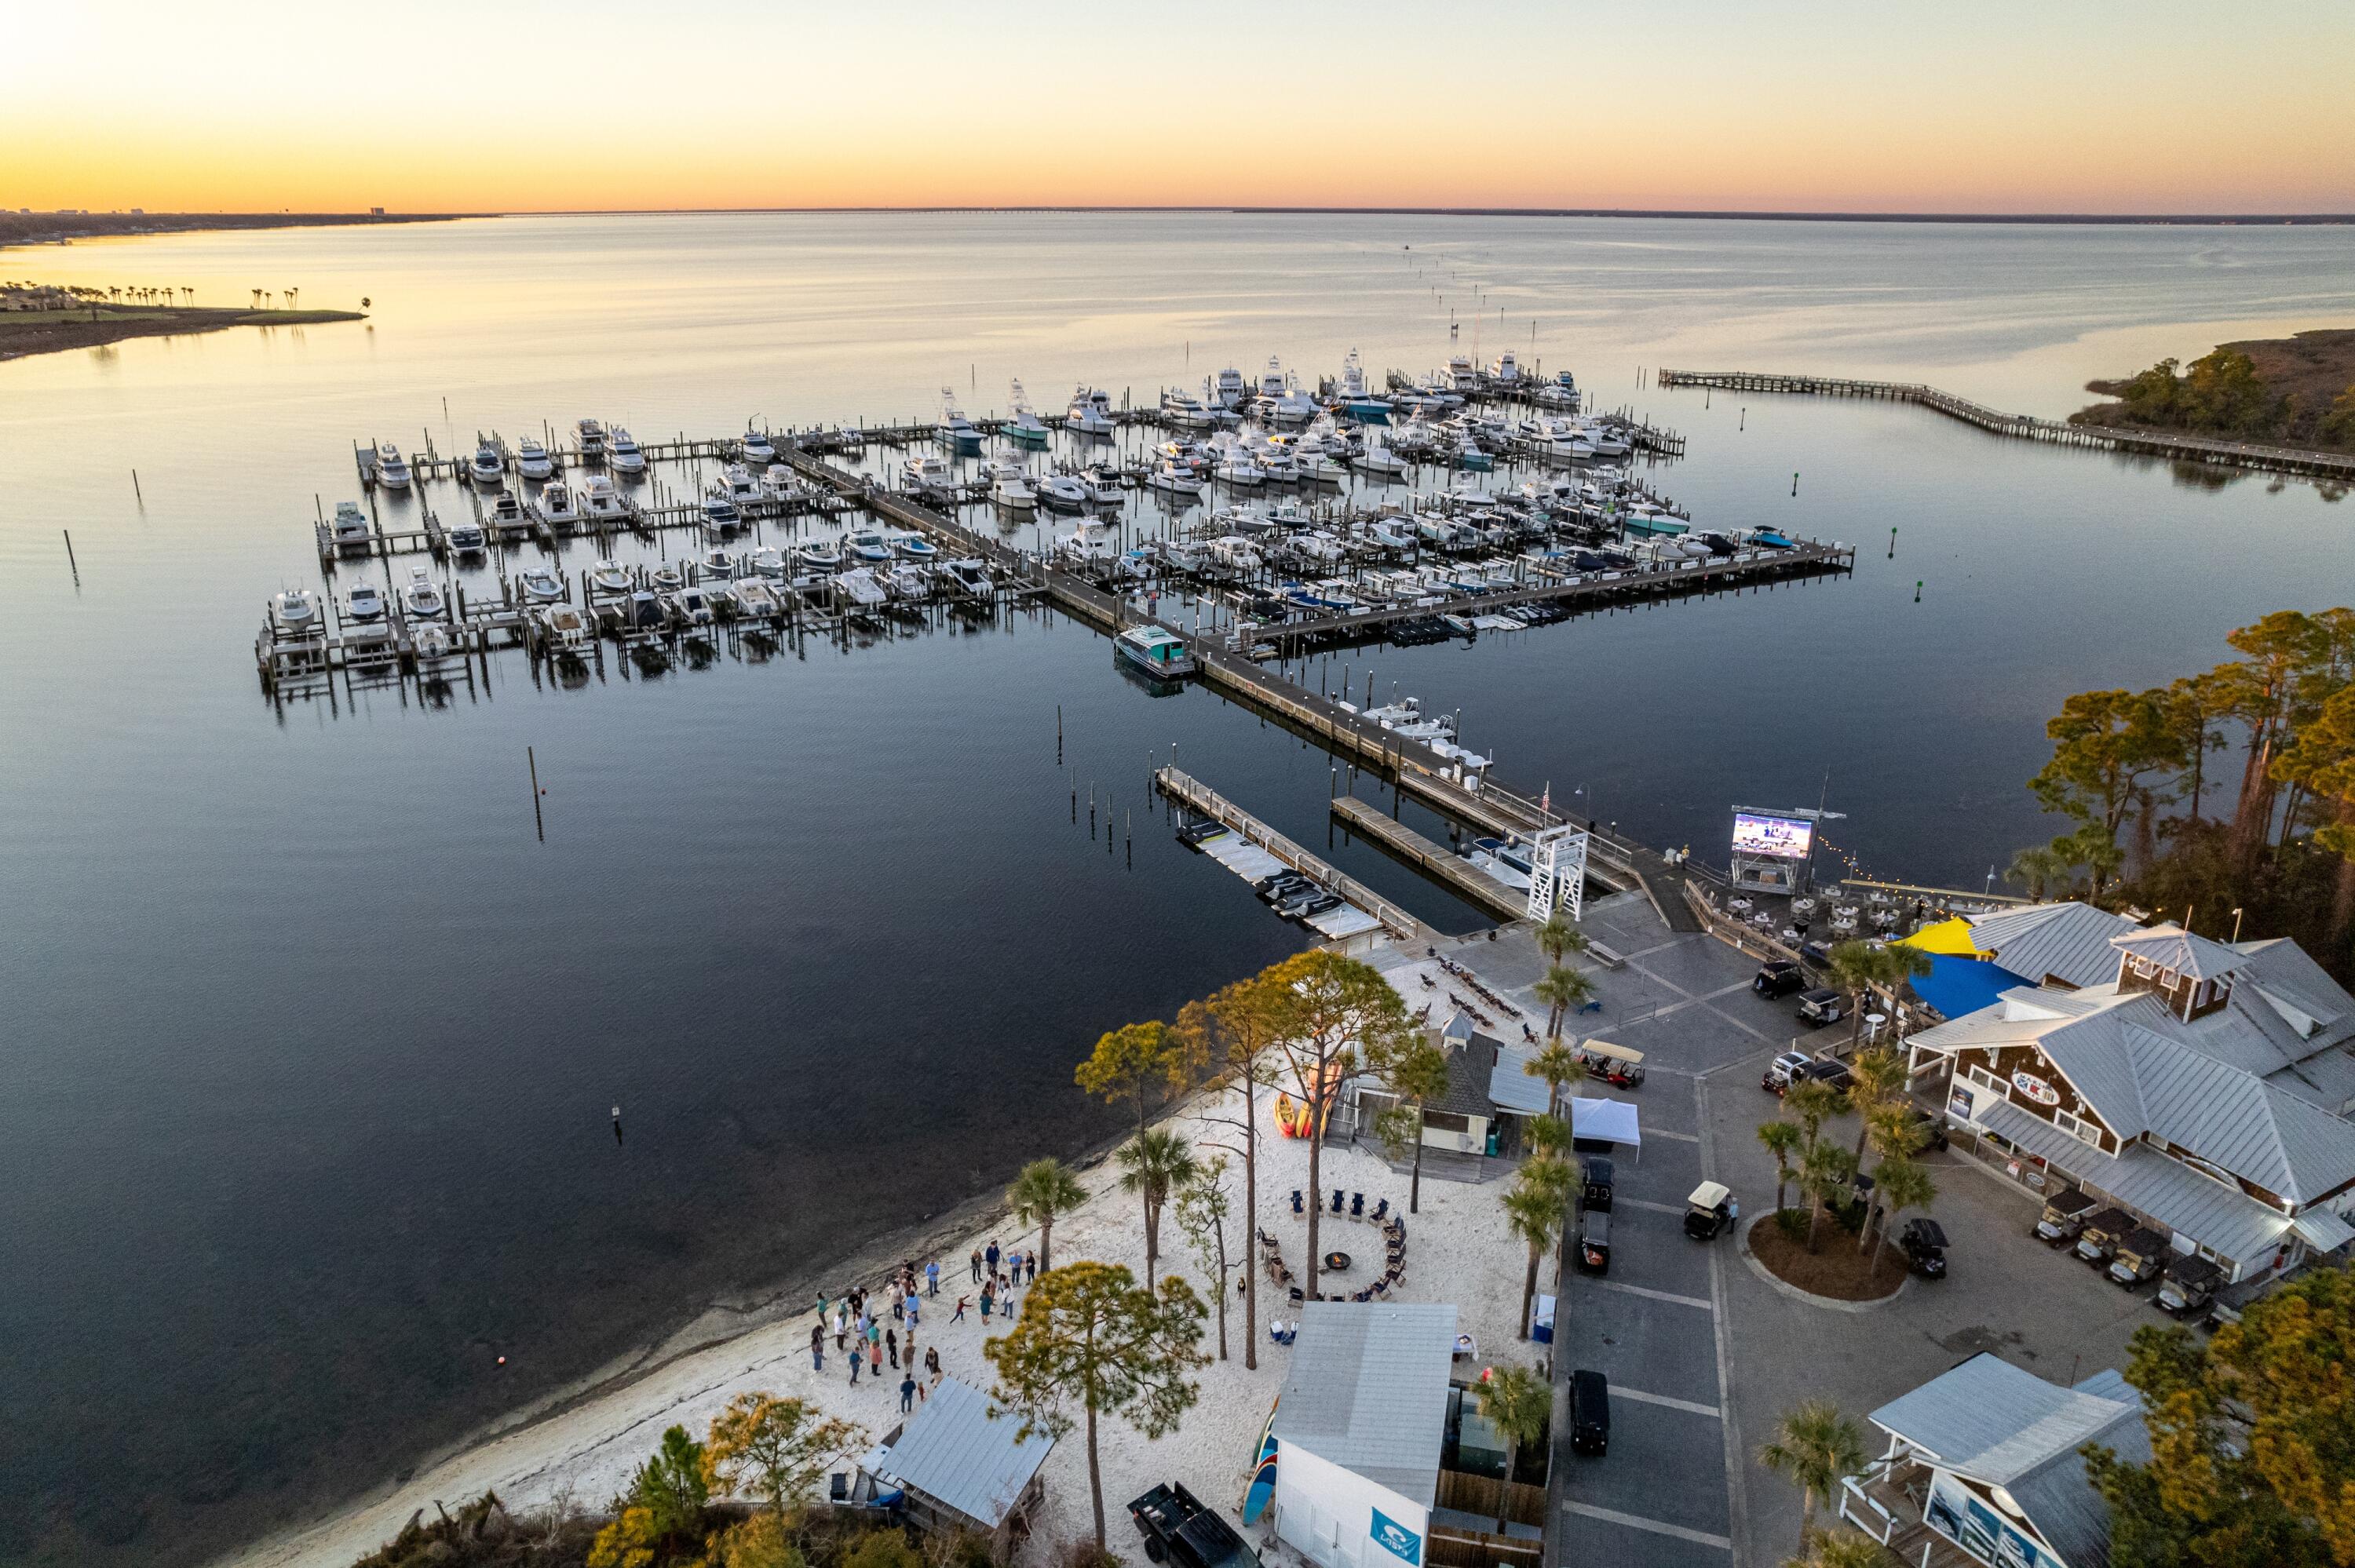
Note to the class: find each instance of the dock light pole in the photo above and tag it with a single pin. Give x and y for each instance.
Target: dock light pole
(2236, 924)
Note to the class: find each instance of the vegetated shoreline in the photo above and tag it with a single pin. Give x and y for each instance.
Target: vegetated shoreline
(2283, 396)
(27, 333)
(61, 228)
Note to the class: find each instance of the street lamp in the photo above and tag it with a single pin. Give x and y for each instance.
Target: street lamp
(2236, 924)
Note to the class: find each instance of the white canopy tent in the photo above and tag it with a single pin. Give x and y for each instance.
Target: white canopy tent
(1607, 1121)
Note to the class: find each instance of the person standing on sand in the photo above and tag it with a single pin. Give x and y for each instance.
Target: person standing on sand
(817, 1348)
(821, 1306)
(932, 1362)
(932, 1277)
(976, 1266)
(841, 1327)
(891, 1345)
(875, 1358)
(898, 1305)
(990, 1255)
(911, 1321)
(958, 1316)
(855, 1361)
(907, 1393)
(1031, 1263)
(988, 1300)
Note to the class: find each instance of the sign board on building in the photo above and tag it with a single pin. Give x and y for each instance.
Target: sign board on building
(2036, 1089)
(1959, 1104)
(1395, 1538)
(1978, 1529)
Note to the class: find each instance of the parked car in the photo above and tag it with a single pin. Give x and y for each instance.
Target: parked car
(1924, 1242)
(1594, 1240)
(1596, 1193)
(2065, 1214)
(1779, 977)
(1711, 1211)
(1822, 1006)
(1780, 1070)
(2099, 1240)
(1590, 1412)
(2189, 1285)
(1177, 1529)
(2139, 1258)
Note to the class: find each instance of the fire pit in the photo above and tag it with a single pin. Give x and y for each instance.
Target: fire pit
(1337, 1262)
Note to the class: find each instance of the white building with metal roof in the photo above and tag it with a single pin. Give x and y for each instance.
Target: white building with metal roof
(1360, 1428)
(2203, 1087)
(1988, 1457)
(960, 1467)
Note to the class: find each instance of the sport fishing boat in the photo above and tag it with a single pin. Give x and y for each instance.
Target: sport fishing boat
(294, 613)
(1360, 401)
(1102, 483)
(1093, 540)
(351, 526)
(1507, 370)
(926, 470)
(865, 547)
(1185, 411)
(757, 448)
(391, 468)
(1230, 390)
(1024, 428)
(742, 487)
(487, 470)
(1175, 480)
(626, 459)
(955, 431)
(365, 603)
(601, 501)
(1090, 413)
(590, 438)
(421, 599)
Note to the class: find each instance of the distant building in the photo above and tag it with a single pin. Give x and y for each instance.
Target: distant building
(1986, 1456)
(2202, 1086)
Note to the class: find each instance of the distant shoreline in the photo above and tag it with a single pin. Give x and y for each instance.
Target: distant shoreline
(23, 333)
(26, 228)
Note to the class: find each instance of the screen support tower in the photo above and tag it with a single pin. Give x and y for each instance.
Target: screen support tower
(1558, 871)
(1763, 870)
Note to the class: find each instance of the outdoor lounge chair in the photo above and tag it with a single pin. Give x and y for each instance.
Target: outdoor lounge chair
(1297, 1206)
(1298, 1296)
(1357, 1205)
(1382, 1210)
(1336, 1199)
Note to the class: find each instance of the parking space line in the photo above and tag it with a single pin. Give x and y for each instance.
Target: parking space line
(1690, 1407)
(1648, 1204)
(1648, 1293)
(1679, 1136)
(1657, 1527)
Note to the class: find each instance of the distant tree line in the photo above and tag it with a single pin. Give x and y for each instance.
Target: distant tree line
(2222, 394)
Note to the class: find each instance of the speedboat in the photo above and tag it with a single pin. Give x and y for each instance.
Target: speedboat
(294, 613)
(915, 547)
(818, 556)
(365, 603)
(1062, 490)
(692, 606)
(532, 459)
(540, 586)
(1009, 486)
(742, 487)
(862, 587)
(558, 505)
(757, 447)
(421, 599)
(464, 538)
(391, 468)
(435, 644)
(1024, 428)
(601, 501)
(1179, 555)
(591, 442)
(351, 526)
(487, 470)
(1507, 370)
(719, 513)
(607, 577)
(971, 579)
(755, 599)
(626, 457)
(908, 584)
(564, 629)
(645, 617)
(955, 431)
(716, 562)
(867, 547)
(768, 561)
(1381, 462)
(666, 578)
(1090, 413)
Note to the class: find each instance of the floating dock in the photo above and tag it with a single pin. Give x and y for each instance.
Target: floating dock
(1375, 910)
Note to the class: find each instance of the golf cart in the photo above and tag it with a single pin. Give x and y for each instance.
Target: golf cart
(1596, 1193)
(1822, 1006)
(2102, 1233)
(1614, 1064)
(1783, 1069)
(1924, 1242)
(1711, 1211)
(2064, 1215)
(2139, 1258)
(2189, 1285)
(1779, 977)
(1178, 1530)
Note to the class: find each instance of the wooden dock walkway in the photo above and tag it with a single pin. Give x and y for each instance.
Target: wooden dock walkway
(1196, 796)
(2028, 427)
(1435, 861)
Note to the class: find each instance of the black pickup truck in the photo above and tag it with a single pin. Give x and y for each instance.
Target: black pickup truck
(1177, 1529)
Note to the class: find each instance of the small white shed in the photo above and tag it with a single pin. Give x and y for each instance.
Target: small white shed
(1359, 1429)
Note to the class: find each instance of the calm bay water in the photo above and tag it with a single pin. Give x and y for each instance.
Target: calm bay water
(310, 1040)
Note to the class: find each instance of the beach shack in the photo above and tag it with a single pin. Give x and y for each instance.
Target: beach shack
(1360, 1427)
(960, 1468)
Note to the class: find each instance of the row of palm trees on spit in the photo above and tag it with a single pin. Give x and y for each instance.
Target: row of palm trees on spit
(137, 294)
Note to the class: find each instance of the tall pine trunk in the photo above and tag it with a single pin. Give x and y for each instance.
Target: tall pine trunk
(1251, 1222)
(1095, 1478)
(1316, 1191)
(1414, 1182)
(1528, 1292)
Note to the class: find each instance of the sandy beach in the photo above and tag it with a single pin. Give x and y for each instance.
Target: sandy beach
(1458, 1250)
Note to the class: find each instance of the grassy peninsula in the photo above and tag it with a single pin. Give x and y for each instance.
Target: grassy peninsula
(28, 331)
(2296, 391)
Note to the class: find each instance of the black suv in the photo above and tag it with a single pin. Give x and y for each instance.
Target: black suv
(1779, 978)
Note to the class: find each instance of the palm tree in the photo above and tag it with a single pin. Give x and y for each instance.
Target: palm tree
(1900, 1184)
(1559, 1065)
(1841, 1549)
(1816, 1448)
(1045, 1188)
(257, 299)
(1878, 1083)
(1813, 1103)
(1517, 1404)
(1561, 988)
(1825, 1168)
(1557, 938)
(2036, 868)
(1782, 1139)
(1854, 971)
(1154, 1164)
(1533, 1212)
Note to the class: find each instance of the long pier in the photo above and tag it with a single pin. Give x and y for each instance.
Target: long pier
(1451, 871)
(1197, 796)
(2028, 427)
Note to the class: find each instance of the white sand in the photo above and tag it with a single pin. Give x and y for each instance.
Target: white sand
(1458, 1250)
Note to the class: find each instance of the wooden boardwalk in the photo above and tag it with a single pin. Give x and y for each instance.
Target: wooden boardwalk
(1435, 861)
(1193, 794)
(2028, 427)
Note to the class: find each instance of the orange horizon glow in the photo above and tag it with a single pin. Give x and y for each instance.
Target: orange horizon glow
(1825, 107)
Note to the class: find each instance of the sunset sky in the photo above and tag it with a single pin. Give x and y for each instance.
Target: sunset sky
(499, 105)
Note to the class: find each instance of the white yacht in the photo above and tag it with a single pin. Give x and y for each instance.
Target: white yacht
(1092, 540)
(531, 460)
(294, 613)
(391, 468)
(926, 470)
(818, 555)
(862, 588)
(1102, 483)
(1009, 485)
(716, 565)
(626, 457)
(607, 577)
(1185, 411)
(1229, 389)
(1234, 466)
(778, 482)
(592, 441)
(508, 514)
(1176, 480)
(915, 547)
(464, 538)
(487, 470)
(955, 431)
(351, 526)
(758, 448)
(558, 504)
(1463, 376)
(719, 513)
(1090, 413)
(1024, 428)
(1235, 553)
(366, 603)
(602, 500)
(421, 599)
(1064, 491)
(742, 487)
(1381, 463)
(1507, 371)
(540, 586)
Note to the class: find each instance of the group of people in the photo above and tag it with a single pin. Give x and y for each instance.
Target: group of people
(859, 1332)
(999, 1274)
